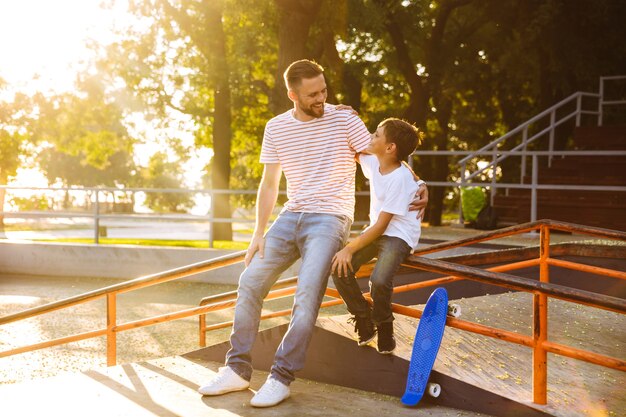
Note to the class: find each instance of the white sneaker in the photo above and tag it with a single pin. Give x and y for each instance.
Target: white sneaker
(271, 393)
(225, 381)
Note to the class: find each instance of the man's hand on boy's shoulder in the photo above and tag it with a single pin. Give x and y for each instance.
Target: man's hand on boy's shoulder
(347, 108)
(420, 201)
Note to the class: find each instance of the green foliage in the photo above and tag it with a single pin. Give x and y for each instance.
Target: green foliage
(472, 201)
(83, 139)
(14, 135)
(32, 203)
(162, 173)
(11, 147)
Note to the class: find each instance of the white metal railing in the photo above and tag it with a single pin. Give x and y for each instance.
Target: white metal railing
(97, 214)
(534, 185)
(495, 149)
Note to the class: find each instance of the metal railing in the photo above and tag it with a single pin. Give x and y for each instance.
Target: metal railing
(97, 213)
(541, 290)
(496, 151)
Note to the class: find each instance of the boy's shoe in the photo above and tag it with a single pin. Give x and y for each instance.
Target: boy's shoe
(386, 341)
(270, 394)
(364, 327)
(225, 381)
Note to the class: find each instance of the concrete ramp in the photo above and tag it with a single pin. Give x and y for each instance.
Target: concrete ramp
(334, 358)
(476, 373)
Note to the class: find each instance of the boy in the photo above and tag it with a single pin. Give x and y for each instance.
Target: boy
(392, 234)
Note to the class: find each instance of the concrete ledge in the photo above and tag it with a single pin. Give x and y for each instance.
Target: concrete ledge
(112, 261)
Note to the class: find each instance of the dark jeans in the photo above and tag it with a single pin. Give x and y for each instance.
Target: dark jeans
(390, 251)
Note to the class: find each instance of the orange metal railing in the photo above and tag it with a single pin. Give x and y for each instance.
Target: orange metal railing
(452, 272)
(541, 290)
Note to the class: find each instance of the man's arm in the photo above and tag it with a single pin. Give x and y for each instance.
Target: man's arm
(420, 201)
(342, 261)
(265, 202)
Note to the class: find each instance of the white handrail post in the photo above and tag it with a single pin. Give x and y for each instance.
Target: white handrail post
(96, 218)
(600, 101)
(211, 218)
(579, 108)
(461, 218)
(533, 191)
(551, 145)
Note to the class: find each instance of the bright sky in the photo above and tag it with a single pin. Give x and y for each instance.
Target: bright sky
(47, 38)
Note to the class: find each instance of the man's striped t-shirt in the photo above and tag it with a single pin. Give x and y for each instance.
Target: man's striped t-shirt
(317, 158)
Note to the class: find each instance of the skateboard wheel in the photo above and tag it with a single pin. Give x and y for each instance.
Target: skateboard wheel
(433, 390)
(454, 310)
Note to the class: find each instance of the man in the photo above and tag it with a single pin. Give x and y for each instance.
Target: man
(314, 144)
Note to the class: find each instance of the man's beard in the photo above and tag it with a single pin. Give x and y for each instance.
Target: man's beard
(313, 112)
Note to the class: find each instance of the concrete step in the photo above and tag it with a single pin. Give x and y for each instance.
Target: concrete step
(167, 387)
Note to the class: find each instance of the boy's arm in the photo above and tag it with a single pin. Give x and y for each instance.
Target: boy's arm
(342, 261)
(266, 200)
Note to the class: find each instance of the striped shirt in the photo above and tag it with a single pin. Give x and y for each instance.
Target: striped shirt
(317, 158)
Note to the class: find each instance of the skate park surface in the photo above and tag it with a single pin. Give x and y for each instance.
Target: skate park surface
(162, 366)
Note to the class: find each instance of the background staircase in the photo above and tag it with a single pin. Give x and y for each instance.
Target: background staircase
(595, 208)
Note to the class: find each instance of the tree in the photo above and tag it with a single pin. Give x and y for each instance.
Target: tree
(82, 138)
(412, 51)
(465, 71)
(13, 140)
(179, 62)
(161, 173)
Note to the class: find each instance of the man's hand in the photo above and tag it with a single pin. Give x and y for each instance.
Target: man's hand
(256, 244)
(420, 202)
(346, 107)
(342, 261)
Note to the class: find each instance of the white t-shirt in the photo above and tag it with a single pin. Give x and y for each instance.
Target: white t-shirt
(392, 194)
(317, 158)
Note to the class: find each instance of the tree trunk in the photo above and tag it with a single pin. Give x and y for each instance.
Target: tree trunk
(295, 20)
(222, 132)
(422, 90)
(440, 163)
(2, 197)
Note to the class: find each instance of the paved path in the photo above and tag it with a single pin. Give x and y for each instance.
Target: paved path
(167, 388)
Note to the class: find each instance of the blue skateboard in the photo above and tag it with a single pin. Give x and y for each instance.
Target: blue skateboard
(425, 347)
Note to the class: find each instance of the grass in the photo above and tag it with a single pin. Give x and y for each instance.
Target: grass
(200, 244)
(21, 227)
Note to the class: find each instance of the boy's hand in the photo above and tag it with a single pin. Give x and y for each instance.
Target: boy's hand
(342, 261)
(420, 202)
(256, 244)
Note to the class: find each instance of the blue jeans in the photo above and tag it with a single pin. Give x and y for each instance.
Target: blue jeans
(316, 238)
(390, 251)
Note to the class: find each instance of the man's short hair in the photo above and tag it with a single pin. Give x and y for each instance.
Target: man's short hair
(406, 136)
(299, 70)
